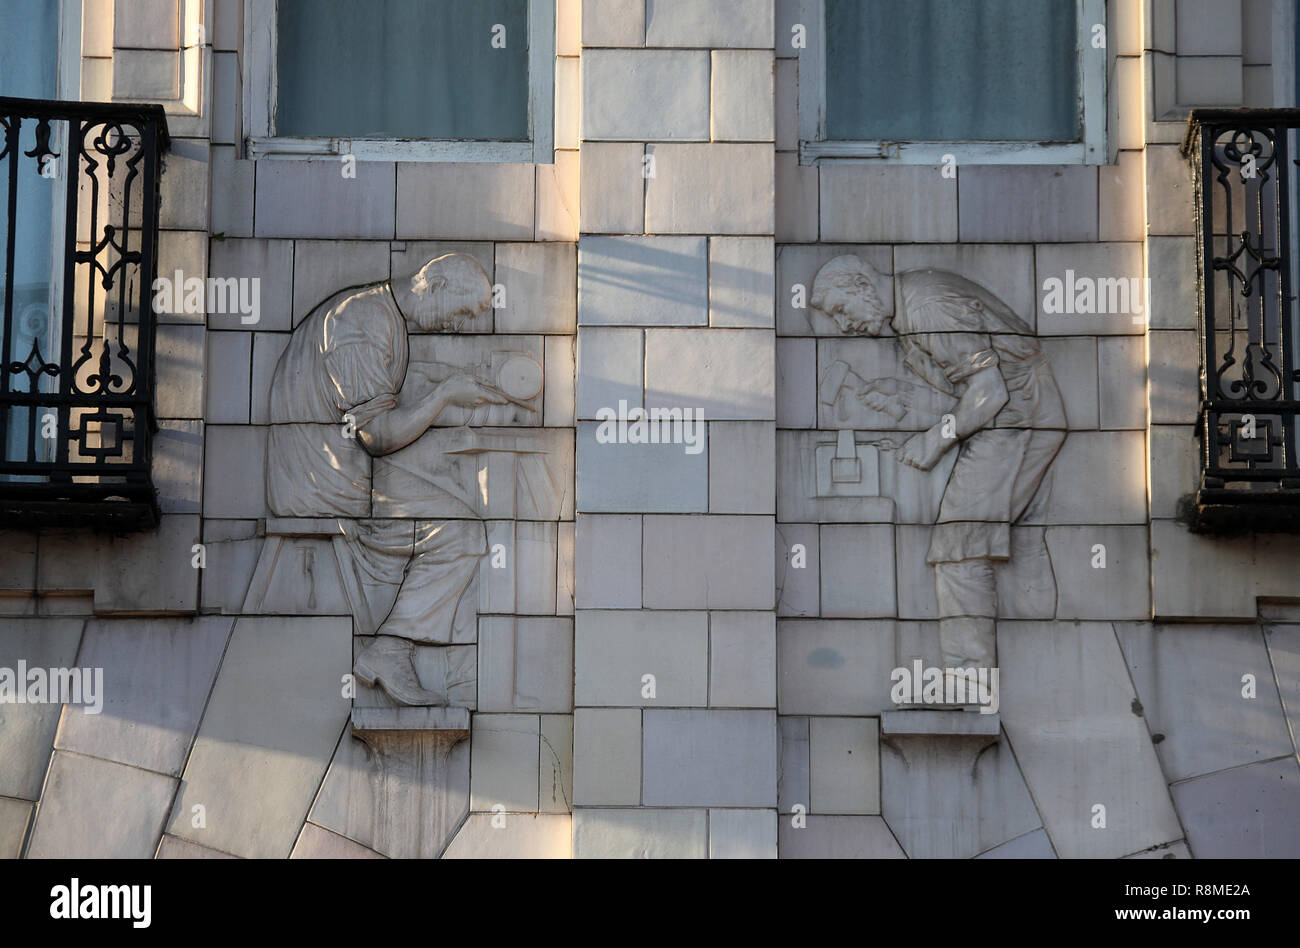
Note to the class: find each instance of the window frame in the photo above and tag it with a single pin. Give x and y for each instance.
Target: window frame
(815, 148)
(260, 86)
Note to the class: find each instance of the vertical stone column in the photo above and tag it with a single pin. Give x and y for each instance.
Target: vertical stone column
(675, 690)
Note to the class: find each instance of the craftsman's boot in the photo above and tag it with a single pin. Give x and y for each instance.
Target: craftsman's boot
(387, 663)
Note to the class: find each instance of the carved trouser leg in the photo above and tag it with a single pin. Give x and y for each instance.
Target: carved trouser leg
(968, 606)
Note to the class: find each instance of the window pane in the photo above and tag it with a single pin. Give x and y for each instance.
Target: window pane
(938, 70)
(403, 69)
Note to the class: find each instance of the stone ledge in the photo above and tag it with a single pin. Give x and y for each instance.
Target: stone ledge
(453, 721)
(939, 723)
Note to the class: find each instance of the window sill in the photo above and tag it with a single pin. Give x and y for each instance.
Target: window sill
(963, 153)
(389, 149)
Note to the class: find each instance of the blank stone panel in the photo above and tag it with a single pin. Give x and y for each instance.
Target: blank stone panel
(844, 755)
(708, 562)
(614, 651)
(645, 94)
(709, 758)
(642, 833)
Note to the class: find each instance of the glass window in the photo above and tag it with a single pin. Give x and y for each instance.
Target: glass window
(944, 71)
(403, 69)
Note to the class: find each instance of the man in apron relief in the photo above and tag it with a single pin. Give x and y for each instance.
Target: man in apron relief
(343, 394)
(1008, 424)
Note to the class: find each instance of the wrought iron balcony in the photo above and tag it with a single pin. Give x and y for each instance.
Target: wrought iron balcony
(80, 185)
(1246, 264)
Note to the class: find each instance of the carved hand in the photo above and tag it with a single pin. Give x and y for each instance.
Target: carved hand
(894, 397)
(465, 391)
(924, 450)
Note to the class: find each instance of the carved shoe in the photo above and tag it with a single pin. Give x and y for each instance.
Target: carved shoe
(386, 663)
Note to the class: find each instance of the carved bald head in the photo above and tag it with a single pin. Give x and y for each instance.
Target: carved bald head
(445, 293)
(845, 290)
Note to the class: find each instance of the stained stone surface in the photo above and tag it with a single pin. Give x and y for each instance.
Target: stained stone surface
(173, 847)
(317, 843)
(1033, 845)
(837, 837)
(517, 836)
(1244, 813)
(644, 833)
(742, 834)
(27, 730)
(14, 816)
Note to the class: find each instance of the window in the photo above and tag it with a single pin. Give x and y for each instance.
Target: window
(409, 80)
(984, 80)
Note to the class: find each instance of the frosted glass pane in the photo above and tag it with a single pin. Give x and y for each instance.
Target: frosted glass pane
(939, 70)
(402, 69)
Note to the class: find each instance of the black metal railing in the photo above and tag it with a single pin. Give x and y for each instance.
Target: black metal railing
(79, 184)
(1250, 387)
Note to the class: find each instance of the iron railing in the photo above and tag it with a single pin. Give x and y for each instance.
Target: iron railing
(80, 188)
(1250, 387)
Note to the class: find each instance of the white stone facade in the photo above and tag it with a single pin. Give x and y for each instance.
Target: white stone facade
(673, 651)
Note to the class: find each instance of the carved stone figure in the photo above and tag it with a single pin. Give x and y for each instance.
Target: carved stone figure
(1007, 422)
(346, 392)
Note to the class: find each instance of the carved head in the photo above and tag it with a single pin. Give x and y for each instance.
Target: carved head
(845, 290)
(445, 293)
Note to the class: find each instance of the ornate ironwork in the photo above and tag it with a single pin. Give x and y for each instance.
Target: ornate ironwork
(78, 264)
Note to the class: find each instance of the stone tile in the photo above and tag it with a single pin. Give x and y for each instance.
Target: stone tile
(1114, 312)
(1174, 468)
(503, 762)
(97, 28)
(270, 263)
(230, 359)
(834, 667)
(645, 94)
(267, 349)
(1206, 28)
(742, 467)
(322, 268)
(18, 570)
(186, 251)
(555, 764)
(667, 478)
(225, 98)
(1074, 366)
(1244, 813)
(612, 198)
(798, 587)
(568, 28)
(1175, 363)
(148, 24)
(1006, 270)
(1098, 477)
(568, 102)
(729, 374)
(402, 794)
(1002, 203)
(640, 833)
(523, 836)
(173, 847)
(857, 571)
(559, 194)
(525, 663)
(539, 288)
(1203, 578)
(1169, 207)
(313, 199)
(233, 178)
(742, 90)
(621, 23)
(741, 282)
(1033, 845)
(157, 676)
(180, 371)
(559, 395)
(1122, 381)
(884, 205)
(837, 837)
(146, 74)
(1119, 590)
(607, 756)
(95, 809)
(1257, 87)
(643, 281)
(317, 843)
(709, 758)
(234, 460)
(1121, 197)
(614, 650)
(185, 181)
(565, 556)
(742, 834)
(1175, 850)
(1189, 678)
(787, 97)
(844, 763)
(792, 782)
(796, 383)
(715, 23)
(709, 562)
(1071, 722)
(267, 735)
(609, 561)
(178, 466)
(27, 730)
(1125, 97)
(949, 797)
(742, 660)
(1209, 80)
(797, 200)
(467, 201)
(141, 572)
(710, 189)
